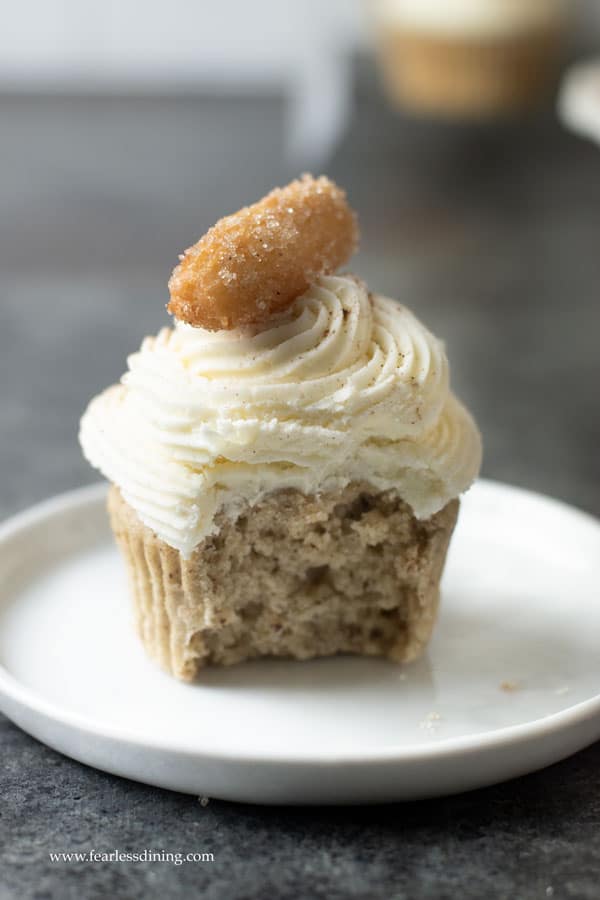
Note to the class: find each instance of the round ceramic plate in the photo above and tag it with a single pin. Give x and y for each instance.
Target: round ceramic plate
(510, 682)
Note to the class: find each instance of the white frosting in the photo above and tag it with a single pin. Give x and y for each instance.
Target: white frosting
(341, 387)
(472, 17)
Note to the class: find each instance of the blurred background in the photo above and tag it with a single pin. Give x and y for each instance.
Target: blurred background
(128, 128)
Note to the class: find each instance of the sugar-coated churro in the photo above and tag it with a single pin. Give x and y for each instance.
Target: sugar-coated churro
(257, 261)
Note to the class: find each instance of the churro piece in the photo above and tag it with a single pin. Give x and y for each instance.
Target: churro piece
(257, 261)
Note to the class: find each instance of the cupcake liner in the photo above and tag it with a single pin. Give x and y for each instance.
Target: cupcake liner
(470, 76)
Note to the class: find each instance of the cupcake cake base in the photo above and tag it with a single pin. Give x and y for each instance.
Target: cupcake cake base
(349, 571)
(475, 76)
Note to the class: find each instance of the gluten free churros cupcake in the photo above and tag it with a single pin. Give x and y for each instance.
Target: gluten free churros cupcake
(470, 57)
(286, 460)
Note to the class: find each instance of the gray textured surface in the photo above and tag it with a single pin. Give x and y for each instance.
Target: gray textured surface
(492, 235)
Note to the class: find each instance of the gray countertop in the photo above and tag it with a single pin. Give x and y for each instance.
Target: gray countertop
(492, 234)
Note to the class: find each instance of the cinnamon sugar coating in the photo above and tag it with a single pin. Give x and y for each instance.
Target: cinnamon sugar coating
(257, 261)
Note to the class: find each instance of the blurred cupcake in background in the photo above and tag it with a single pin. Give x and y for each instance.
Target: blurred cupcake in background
(470, 57)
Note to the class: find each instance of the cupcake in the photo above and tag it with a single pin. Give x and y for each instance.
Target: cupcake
(286, 459)
(470, 57)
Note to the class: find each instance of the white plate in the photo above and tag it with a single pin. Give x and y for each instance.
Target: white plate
(510, 683)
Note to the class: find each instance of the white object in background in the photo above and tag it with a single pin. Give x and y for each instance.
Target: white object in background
(319, 108)
(579, 99)
(510, 682)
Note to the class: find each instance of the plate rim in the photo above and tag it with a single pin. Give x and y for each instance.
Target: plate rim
(445, 749)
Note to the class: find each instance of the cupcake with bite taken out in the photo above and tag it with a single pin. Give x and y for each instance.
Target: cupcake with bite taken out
(286, 459)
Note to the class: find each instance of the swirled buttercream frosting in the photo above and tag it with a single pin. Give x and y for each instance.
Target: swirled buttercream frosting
(344, 386)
